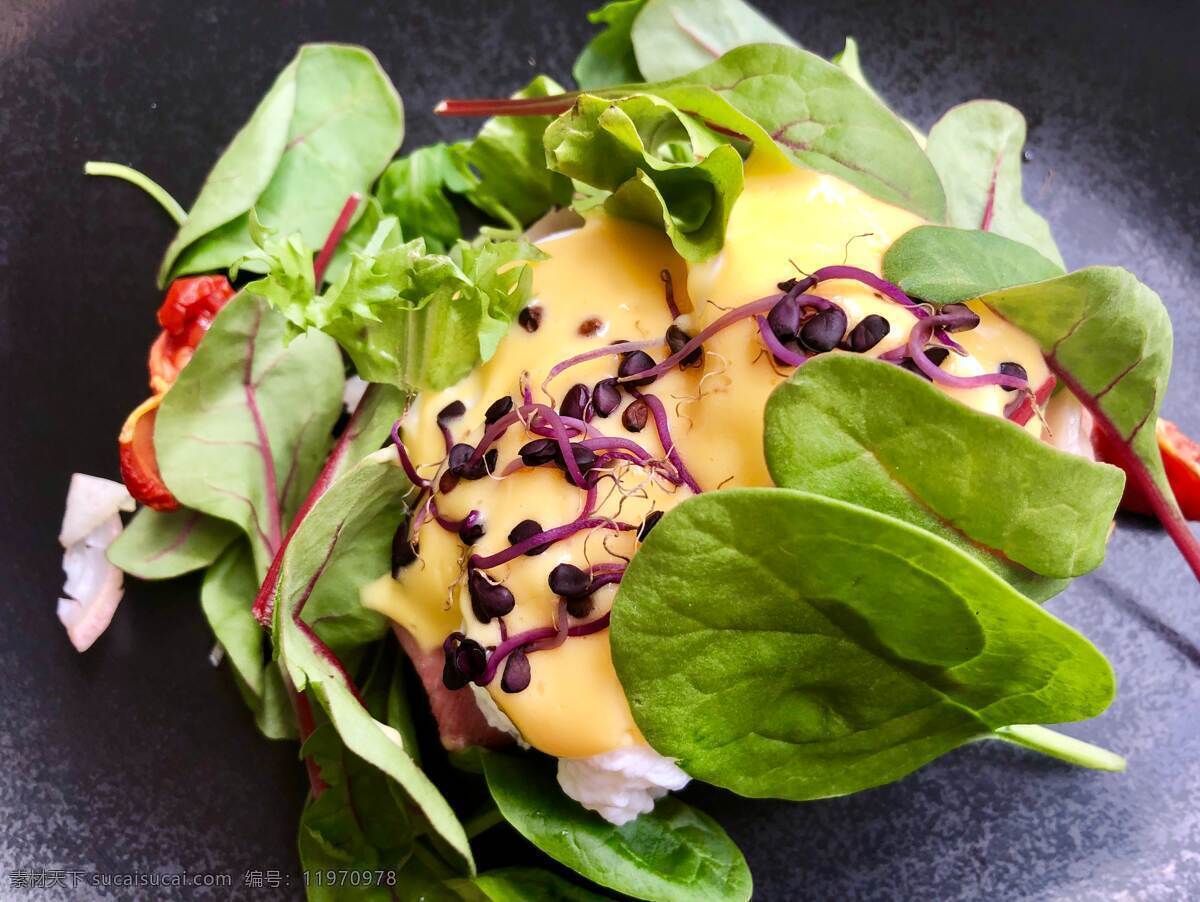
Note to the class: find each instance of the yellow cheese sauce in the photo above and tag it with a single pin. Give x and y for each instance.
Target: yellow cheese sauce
(603, 283)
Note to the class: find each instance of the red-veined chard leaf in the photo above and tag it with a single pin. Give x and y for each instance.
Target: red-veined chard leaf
(673, 853)
(326, 129)
(673, 37)
(242, 433)
(1107, 338)
(976, 148)
(824, 120)
(345, 515)
(943, 265)
(871, 434)
(608, 58)
(163, 545)
(226, 596)
(783, 644)
(662, 167)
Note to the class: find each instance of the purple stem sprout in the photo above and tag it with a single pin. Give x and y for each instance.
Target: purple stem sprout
(405, 461)
(776, 347)
(659, 413)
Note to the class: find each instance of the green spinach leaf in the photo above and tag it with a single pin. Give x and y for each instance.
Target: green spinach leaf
(226, 596)
(242, 433)
(524, 884)
(1108, 339)
(662, 167)
(871, 434)
(942, 265)
(976, 148)
(673, 37)
(673, 853)
(413, 189)
(512, 182)
(783, 644)
(342, 517)
(357, 823)
(826, 121)
(158, 545)
(327, 128)
(608, 58)
(848, 61)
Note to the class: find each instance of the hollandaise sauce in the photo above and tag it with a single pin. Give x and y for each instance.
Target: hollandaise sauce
(632, 382)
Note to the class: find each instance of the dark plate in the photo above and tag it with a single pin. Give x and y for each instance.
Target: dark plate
(139, 755)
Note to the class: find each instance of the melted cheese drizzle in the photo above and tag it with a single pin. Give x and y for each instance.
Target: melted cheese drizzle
(610, 269)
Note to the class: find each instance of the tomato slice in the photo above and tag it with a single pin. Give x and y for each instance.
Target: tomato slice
(1181, 460)
(139, 463)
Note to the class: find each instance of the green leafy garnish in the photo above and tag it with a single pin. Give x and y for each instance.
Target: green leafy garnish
(327, 127)
(673, 37)
(976, 148)
(405, 316)
(782, 644)
(869, 433)
(413, 189)
(523, 884)
(673, 853)
(342, 518)
(157, 545)
(608, 59)
(662, 167)
(243, 431)
(944, 265)
(226, 597)
(824, 120)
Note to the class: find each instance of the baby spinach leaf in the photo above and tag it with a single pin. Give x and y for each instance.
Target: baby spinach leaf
(327, 127)
(673, 853)
(512, 182)
(242, 433)
(848, 61)
(523, 884)
(871, 434)
(158, 545)
(226, 597)
(674, 37)
(413, 189)
(339, 519)
(608, 58)
(783, 644)
(1107, 338)
(976, 149)
(942, 265)
(356, 823)
(662, 167)
(407, 317)
(826, 121)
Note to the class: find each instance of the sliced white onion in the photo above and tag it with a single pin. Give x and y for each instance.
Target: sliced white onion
(93, 587)
(621, 784)
(90, 501)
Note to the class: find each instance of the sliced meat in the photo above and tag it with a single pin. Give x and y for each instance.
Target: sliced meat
(460, 722)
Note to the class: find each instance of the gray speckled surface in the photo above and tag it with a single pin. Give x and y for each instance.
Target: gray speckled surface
(138, 756)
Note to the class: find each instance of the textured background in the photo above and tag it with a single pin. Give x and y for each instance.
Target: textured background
(138, 755)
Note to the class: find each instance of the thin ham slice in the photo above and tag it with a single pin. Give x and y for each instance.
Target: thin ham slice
(460, 722)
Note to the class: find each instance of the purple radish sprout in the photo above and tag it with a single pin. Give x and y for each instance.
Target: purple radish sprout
(669, 291)
(659, 413)
(916, 350)
(762, 305)
(549, 537)
(782, 354)
(605, 579)
(621, 347)
(405, 461)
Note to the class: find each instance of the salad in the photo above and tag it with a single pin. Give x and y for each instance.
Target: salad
(743, 443)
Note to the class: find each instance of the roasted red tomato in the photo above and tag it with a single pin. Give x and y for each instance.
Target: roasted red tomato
(186, 313)
(1181, 460)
